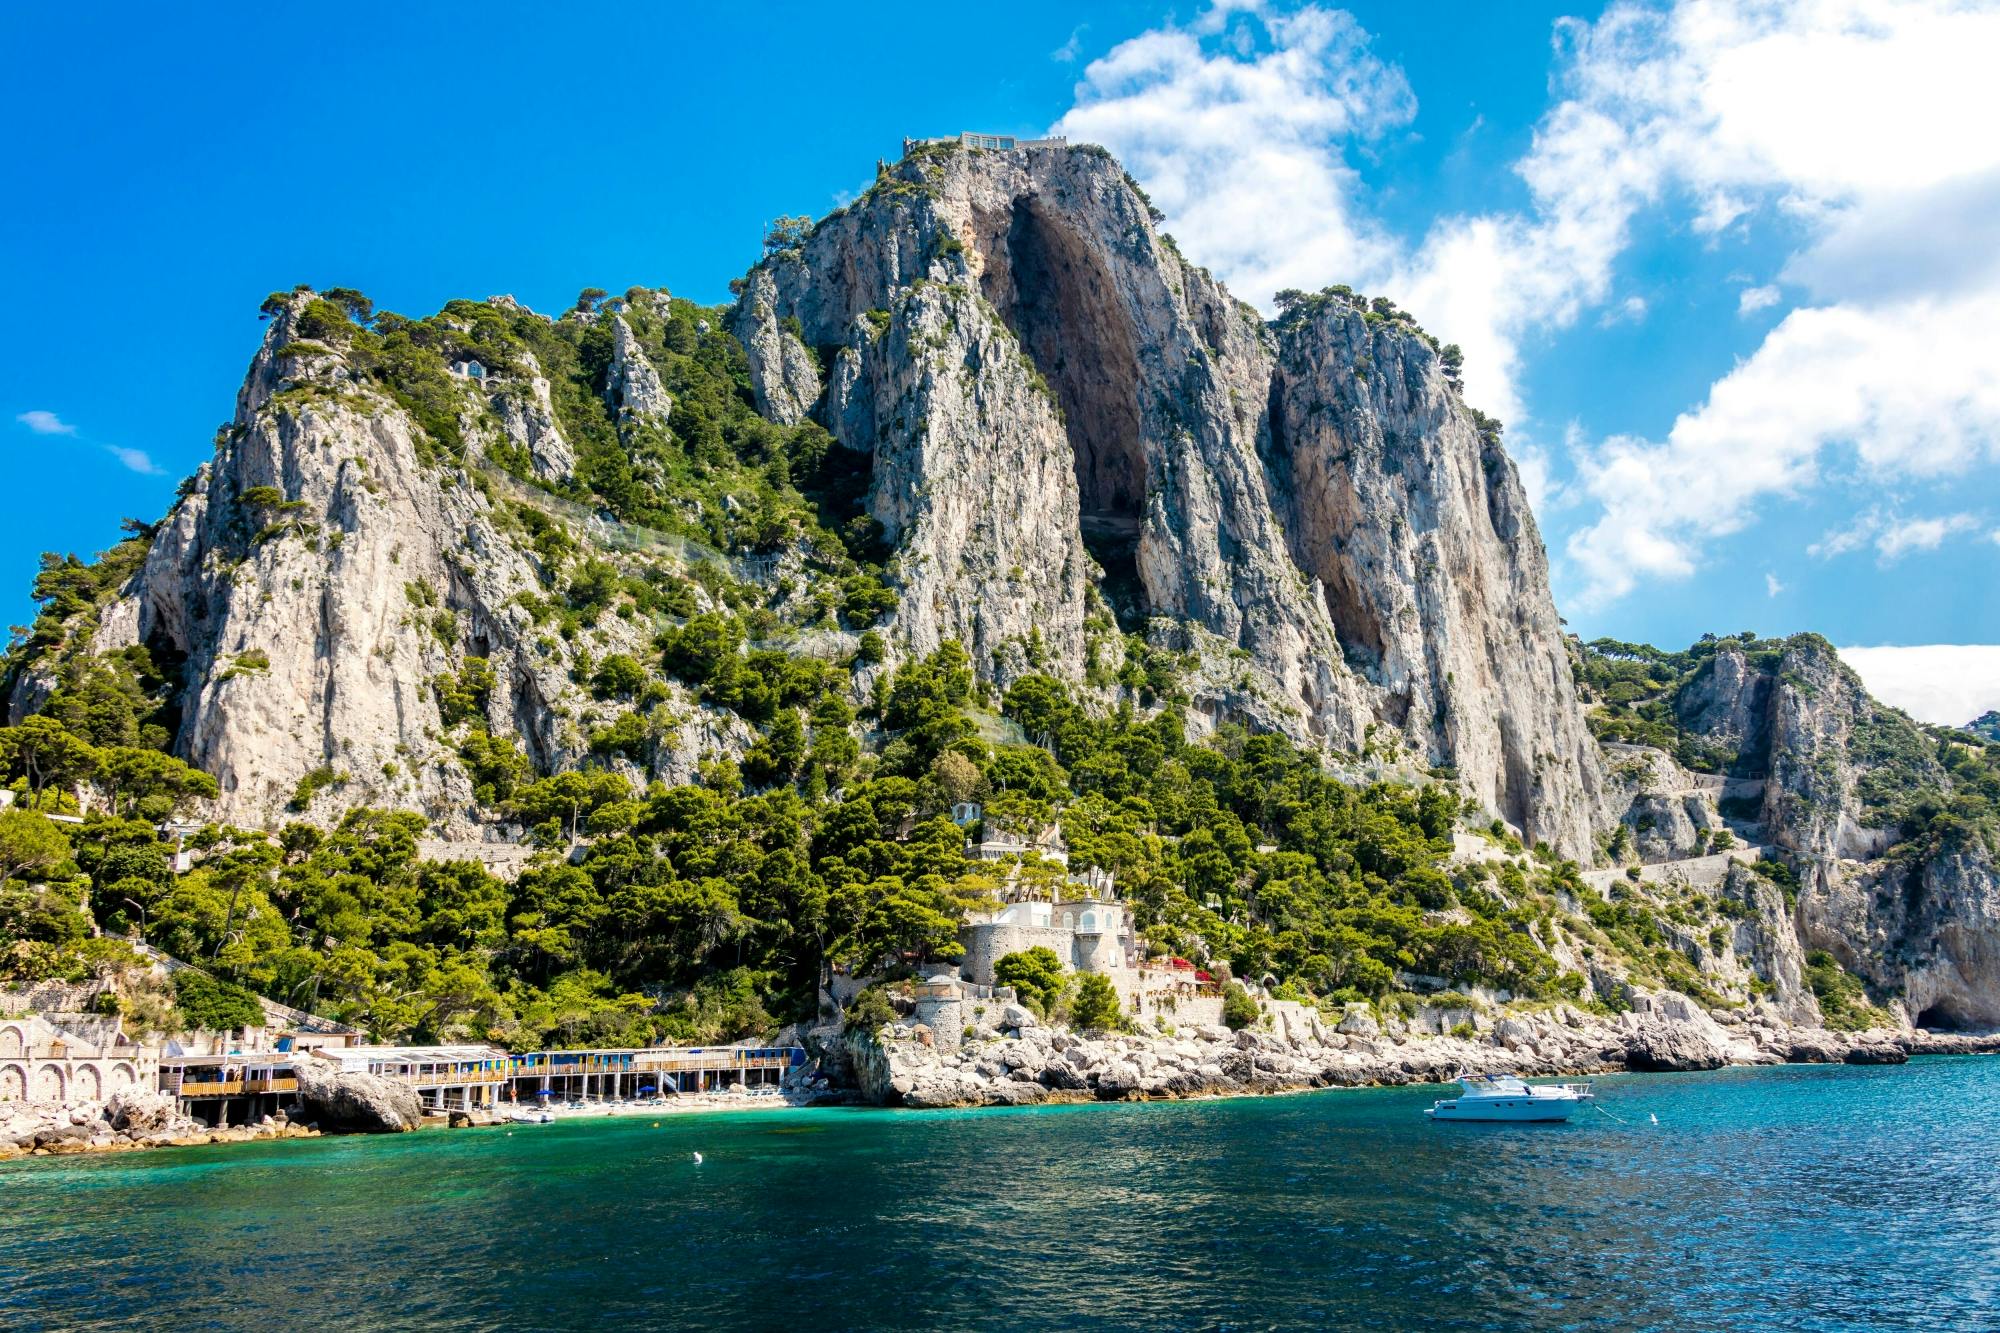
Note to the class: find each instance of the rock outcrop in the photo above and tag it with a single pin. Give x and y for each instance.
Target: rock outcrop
(1054, 400)
(905, 1065)
(1917, 917)
(333, 565)
(338, 1099)
(128, 1122)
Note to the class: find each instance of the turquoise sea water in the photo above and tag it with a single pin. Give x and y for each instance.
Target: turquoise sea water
(1809, 1197)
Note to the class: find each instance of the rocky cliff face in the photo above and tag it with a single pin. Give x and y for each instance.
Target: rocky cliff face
(1913, 908)
(329, 568)
(1060, 409)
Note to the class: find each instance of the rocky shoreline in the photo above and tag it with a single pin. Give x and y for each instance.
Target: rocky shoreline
(128, 1122)
(1018, 1061)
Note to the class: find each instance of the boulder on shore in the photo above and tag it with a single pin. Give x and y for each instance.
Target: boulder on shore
(357, 1101)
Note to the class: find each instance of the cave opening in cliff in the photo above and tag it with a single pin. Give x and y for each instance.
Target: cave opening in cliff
(1944, 1016)
(1059, 299)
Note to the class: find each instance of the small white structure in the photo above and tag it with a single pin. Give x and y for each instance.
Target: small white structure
(992, 143)
(941, 1007)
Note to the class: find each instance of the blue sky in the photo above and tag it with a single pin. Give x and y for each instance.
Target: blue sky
(1727, 272)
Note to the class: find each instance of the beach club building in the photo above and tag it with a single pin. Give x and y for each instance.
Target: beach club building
(447, 1078)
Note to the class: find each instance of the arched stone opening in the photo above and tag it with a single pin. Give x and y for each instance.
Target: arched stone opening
(1058, 297)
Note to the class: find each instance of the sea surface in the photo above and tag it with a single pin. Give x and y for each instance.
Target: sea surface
(1795, 1198)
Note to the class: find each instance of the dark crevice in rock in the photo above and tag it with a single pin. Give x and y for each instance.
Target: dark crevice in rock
(1057, 297)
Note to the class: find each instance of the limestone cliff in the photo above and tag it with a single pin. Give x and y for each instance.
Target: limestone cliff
(1060, 409)
(1892, 882)
(332, 565)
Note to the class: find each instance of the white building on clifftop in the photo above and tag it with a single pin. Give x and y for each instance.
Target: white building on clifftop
(992, 143)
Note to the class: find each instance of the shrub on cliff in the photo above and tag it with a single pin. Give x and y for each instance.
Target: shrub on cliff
(1239, 1011)
(1096, 1007)
(869, 1011)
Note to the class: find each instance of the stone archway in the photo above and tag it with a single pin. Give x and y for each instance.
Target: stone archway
(86, 1084)
(13, 1083)
(48, 1083)
(12, 1040)
(122, 1077)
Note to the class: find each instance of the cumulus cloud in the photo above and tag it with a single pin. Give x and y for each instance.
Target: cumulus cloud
(1922, 534)
(1947, 684)
(138, 460)
(1771, 585)
(1237, 124)
(1743, 106)
(45, 423)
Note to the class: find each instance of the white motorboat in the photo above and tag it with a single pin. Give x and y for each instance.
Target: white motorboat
(1506, 1097)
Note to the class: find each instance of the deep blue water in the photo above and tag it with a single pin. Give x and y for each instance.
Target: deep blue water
(1795, 1198)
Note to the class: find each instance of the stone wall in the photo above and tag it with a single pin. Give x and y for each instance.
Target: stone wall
(987, 943)
(39, 1062)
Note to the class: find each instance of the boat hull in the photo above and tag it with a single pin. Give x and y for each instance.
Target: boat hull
(1523, 1110)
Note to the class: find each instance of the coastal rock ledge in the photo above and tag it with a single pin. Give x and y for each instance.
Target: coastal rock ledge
(905, 1065)
(356, 1101)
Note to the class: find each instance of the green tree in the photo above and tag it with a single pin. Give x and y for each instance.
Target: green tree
(1096, 1007)
(215, 1005)
(30, 844)
(1036, 975)
(1239, 1011)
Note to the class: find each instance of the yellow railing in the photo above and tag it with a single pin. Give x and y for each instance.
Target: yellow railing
(451, 1078)
(237, 1087)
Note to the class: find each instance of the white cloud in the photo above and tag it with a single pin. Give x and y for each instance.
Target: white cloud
(1771, 585)
(1745, 105)
(1947, 684)
(1628, 311)
(1071, 49)
(45, 423)
(136, 459)
(1753, 299)
(1890, 534)
(1236, 124)
(1921, 534)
